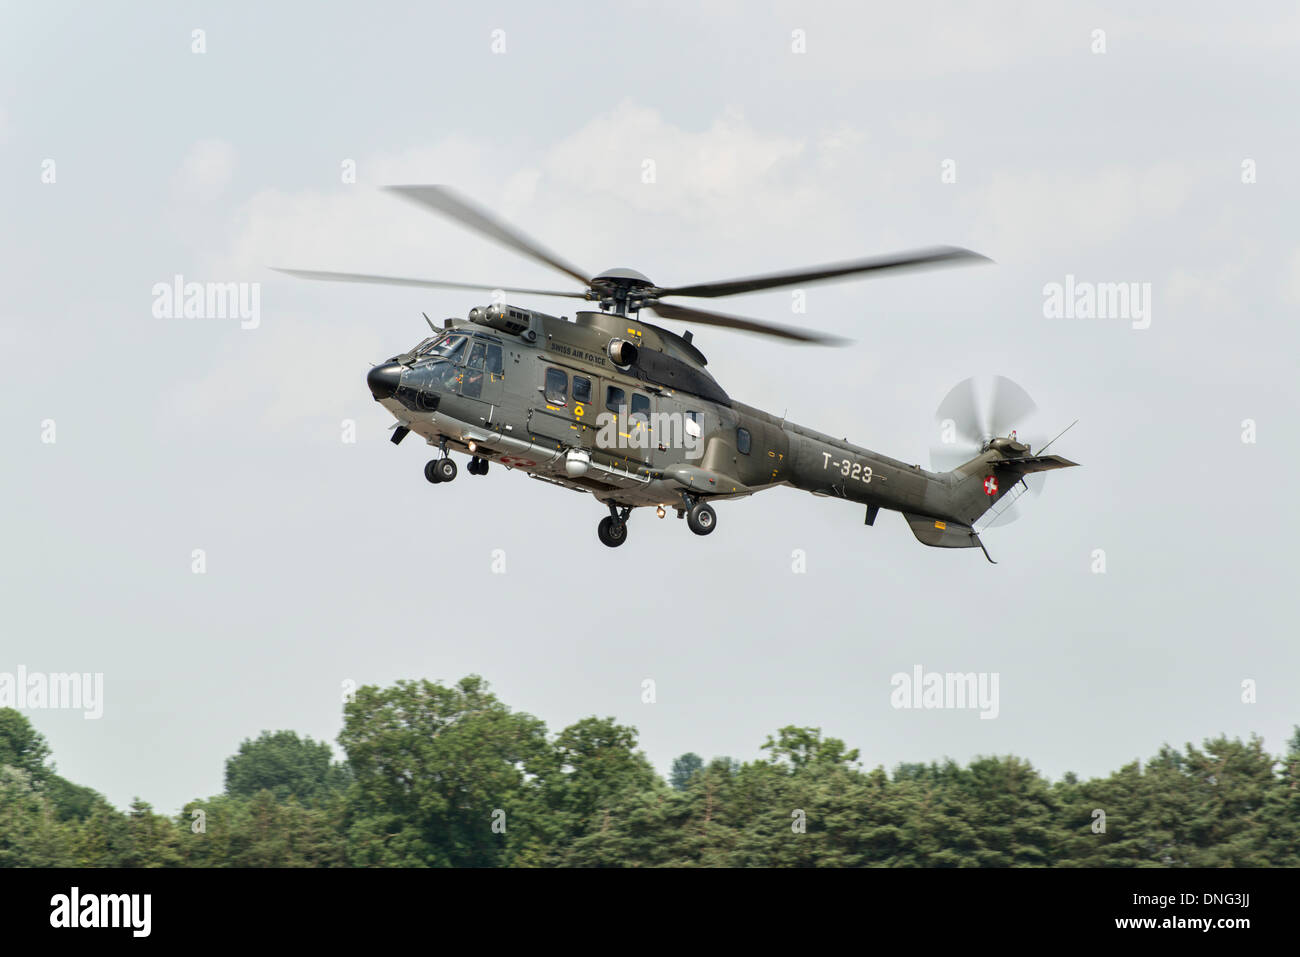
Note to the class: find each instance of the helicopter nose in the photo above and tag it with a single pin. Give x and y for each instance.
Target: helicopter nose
(384, 379)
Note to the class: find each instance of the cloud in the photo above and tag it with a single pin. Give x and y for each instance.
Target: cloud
(1291, 280)
(626, 179)
(1031, 211)
(206, 170)
(290, 378)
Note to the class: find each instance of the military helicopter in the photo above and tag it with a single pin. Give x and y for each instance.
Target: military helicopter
(612, 405)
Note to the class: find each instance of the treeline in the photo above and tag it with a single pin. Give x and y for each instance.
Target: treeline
(439, 776)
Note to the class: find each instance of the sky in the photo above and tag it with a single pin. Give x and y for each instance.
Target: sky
(1145, 598)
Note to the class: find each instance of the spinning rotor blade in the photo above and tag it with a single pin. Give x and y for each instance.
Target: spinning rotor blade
(427, 283)
(979, 410)
(934, 256)
(444, 200)
(1009, 406)
(961, 406)
(983, 409)
(709, 318)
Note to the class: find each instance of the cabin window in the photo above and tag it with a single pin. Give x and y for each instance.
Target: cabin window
(692, 423)
(615, 398)
(742, 441)
(581, 389)
(640, 408)
(557, 387)
(495, 364)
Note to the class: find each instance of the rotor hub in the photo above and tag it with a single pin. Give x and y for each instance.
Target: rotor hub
(622, 277)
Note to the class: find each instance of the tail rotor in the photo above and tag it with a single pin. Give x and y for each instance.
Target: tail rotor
(973, 413)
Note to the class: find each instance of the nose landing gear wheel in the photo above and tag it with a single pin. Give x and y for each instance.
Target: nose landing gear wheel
(612, 533)
(701, 518)
(431, 471)
(478, 466)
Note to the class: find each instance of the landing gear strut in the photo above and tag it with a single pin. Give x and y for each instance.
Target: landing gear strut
(612, 531)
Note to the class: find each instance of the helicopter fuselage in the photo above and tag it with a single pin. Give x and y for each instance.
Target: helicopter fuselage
(625, 410)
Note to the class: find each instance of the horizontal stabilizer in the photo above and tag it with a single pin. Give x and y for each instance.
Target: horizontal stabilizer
(1035, 463)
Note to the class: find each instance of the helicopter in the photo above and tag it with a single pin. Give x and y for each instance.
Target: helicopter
(609, 404)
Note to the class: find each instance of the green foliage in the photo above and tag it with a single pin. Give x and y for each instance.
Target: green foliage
(286, 766)
(433, 767)
(684, 769)
(449, 776)
(261, 831)
(21, 746)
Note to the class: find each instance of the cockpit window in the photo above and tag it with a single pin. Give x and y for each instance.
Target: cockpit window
(446, 376)
(448, 346)
(477, 355)
(426, 347)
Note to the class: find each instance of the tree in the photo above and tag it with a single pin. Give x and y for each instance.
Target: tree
(801, 747)
(599, 766)
(22, 746)
(684, 769)
(285, 765)
(441, 775)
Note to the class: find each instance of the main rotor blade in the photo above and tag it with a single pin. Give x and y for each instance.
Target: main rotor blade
(427, 283)
(920, 258)
(709, 318)
(442, 199)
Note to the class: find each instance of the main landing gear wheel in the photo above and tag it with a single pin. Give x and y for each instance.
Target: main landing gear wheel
(701, 518)
(611, 532)
(440, 470)
(612, 529)
(477, 466)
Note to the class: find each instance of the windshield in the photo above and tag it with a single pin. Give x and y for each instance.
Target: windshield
(449, 347)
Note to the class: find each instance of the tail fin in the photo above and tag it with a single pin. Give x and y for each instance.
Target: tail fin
(982, 482)
(975, 487)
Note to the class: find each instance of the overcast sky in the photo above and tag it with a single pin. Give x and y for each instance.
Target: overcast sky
(329, 561)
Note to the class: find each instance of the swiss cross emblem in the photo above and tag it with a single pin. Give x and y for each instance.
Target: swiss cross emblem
(990, 486)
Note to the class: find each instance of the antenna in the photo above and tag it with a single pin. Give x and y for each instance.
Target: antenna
(430, 322)
(1062, 432)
